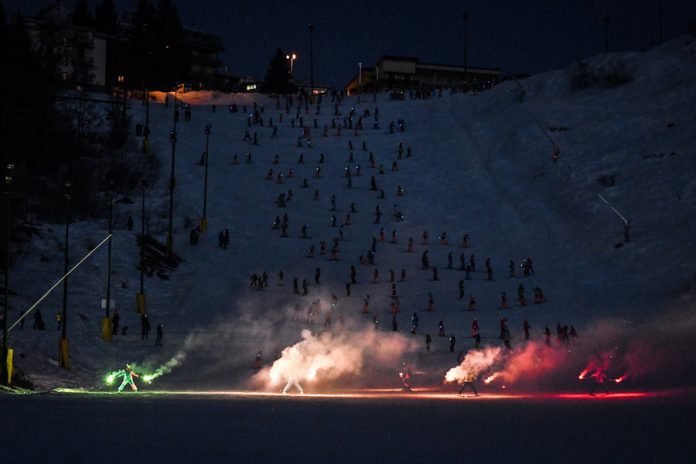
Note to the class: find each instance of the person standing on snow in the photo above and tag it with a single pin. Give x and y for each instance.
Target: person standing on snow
(292, 382)
(467, 381)
(128, 374)
(405, 375)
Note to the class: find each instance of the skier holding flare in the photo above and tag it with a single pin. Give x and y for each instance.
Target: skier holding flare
(128, 375)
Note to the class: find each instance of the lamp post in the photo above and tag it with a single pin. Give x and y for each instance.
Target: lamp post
(146, 129)
(106, 333)
(143, 183)
(170, 237)
(659, 24)
(4, 377)
(204, 221)
(63, 357)
(172, 139)
(465, 17)
(292, 57)
(310, 26)
(140, 297)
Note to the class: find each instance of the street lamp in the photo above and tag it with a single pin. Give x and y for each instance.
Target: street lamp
(146, 129)
(106, 332)
(292, 57)
(140, 297)
(4, 377)
(204, 220)
(170, 237)
(310, 26)
(465, 17)
(63, 356)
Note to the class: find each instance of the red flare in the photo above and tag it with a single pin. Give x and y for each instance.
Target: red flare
(491, 378)
(621, 379)
(584, 373)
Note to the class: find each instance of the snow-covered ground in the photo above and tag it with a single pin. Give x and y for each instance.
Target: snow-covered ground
(481, 166)
(143, 429)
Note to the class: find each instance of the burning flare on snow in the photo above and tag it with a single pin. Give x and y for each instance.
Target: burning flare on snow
(475, 363)
(328, 356)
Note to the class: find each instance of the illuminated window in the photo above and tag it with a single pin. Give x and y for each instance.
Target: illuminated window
(121, 79)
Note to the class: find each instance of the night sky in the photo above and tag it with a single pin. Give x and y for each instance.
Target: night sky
(525, 36)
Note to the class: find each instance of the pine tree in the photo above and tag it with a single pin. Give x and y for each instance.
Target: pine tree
(169, 32)
(106, 19)
(278, 74)
(3, 16)
(26, 114)
(142, 43)
(82, 17)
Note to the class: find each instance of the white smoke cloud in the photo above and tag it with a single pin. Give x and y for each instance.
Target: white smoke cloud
(327, 356)
(475, 363)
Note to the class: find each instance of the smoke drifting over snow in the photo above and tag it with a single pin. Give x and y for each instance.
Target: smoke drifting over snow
(648, 355)
(474, 364)
(325, 357)
(645, 355)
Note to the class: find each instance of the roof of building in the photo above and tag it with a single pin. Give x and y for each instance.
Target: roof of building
(203, 40)
(451, 67)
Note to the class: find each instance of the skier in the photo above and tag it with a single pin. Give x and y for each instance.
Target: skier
(507, 337)
(160, 334)
(526, 329)
(452, 341)
(467, 381)
(414, 323)
(547, 336)
(441, 328)
(292, 382)
(405, 375)
(428, 341)
(257, 360)
(598, 377)
(520, 295)
(472, 303)
(474, 328)
(503, 301)
(395, 324)
(424, 260)
(128, 375)
(366, 304)
(144, 327)
(461, 289)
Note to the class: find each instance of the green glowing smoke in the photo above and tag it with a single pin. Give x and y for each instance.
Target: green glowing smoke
(165, 368)
(145, 376)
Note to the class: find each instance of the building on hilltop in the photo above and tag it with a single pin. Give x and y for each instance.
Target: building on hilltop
(205, 70)
(74, 55)
(409, 73)
(84, 56)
